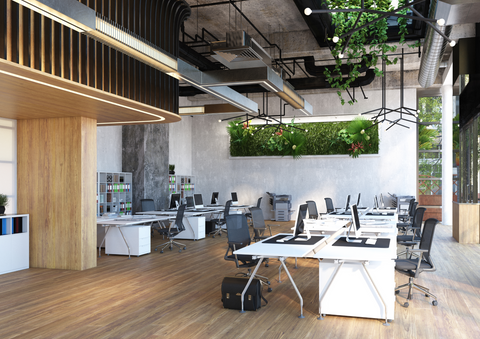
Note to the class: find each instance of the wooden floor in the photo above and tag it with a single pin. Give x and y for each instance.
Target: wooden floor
(177, 295)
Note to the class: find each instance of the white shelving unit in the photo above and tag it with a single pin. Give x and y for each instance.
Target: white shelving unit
(114, 193)
(14, 242)
(183, 184)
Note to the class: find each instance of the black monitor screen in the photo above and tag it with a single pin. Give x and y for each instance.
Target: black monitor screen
(358, 200)
(190, 202)
(347, 205)
(234, 196)
(198, 199)
(355, 218)
(174, 198)
(214, 198)
(302, 214)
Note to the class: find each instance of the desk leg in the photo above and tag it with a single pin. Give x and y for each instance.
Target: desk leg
(249, 282)
(100, 248)
(126, 243)
(321, 296)
(376, 289)
(282, 260)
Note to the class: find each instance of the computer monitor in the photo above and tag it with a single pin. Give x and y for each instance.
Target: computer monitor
(347, 205)
(375, 202)
(190, 202)
(299, 225)
(382, 204)
(358, 200)
(234, 198)
(355, 225)
(214, 198)
(198, 200)
(175, 200)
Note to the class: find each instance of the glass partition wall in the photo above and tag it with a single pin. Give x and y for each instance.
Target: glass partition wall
(469, 167)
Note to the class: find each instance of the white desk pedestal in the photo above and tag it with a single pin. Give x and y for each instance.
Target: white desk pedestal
(352, 293)
(194, 228)
(138, 237)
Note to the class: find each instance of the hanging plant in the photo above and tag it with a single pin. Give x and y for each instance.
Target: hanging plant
(366, 45)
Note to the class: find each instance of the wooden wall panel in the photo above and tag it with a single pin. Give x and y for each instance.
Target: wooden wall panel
(56, 186)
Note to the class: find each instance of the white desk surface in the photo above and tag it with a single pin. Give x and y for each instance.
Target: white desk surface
(128, 221)
(281, 249)
(188, 213)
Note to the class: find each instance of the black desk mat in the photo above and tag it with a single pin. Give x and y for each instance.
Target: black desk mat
(312, 241)
(380, 214)
(381, 243)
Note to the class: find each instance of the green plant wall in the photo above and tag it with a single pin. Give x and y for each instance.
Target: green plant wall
(322, 138)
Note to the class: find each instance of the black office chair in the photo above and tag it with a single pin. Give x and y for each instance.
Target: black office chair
(312, 209)
(147, 206)
(220, 222)
(329, 203)
(413, 267)
(248, 214)
(412, 233)
(175, 228)
(238, 237)
(407, 219)
(259, 226)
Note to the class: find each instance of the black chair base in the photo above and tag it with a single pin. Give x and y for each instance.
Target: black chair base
(411, 285)
(170, 244)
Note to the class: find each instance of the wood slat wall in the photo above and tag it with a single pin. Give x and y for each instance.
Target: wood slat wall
(56, 186)
(32, 40)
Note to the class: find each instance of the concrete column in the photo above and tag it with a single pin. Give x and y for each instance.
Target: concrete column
(145, 154)
(447, 147)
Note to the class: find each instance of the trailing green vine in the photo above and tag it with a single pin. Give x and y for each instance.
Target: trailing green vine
(367, 45)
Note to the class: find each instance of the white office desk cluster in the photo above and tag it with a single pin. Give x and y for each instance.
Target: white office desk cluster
(354, 279)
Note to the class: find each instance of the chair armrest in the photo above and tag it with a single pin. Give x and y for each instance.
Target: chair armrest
(235, 243)
(408, 243)
(419, 250)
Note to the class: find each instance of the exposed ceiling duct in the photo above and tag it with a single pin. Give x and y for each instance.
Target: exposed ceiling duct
(452, 12)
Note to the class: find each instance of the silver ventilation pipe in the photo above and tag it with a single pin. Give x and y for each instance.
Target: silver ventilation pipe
(433, 50)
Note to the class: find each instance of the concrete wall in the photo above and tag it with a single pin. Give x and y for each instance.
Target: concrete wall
(109, 149)
(312, 177)
(180, 146)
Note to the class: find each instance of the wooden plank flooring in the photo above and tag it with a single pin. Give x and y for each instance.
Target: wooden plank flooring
(177, 295)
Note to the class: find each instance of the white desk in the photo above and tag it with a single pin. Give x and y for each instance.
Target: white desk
(113, 240)
(281, 251)
(348, 288)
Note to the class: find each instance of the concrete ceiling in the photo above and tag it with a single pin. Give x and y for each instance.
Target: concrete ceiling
(281, 22)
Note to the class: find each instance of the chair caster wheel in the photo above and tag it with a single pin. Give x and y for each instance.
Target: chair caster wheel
(161, 251)
(266, 265)
(268, 282)
(213, 236)
(269, 289)
(406, 304)
(156, 249)
(397, 292)
(185, 248)
(434, 303)
(180, 251)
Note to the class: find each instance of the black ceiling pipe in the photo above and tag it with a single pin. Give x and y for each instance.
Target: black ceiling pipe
(316, 71)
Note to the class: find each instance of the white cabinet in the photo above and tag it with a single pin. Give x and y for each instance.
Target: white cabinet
(114, 193)
(138, 238)
(194, 228)
(14, 243)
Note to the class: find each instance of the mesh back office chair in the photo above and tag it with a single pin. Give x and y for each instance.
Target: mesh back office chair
(413, 267)
(407, 219)
(248, 214)
(259, 226)
(329, 203)
(175, 228)
(147, 206)
(220, 222)
(312, 209)
(238, 237)
(415, 231)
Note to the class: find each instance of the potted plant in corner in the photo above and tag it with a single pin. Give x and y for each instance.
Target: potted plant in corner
(3, 203)
(171, 169)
